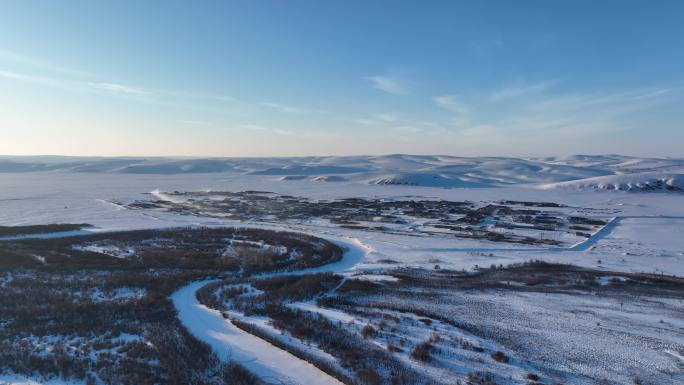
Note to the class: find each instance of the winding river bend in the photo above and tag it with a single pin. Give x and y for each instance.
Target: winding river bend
(271, 364)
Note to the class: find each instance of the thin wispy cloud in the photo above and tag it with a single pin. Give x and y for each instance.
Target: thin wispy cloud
(382, 119)
(531, 110)
(522, 90)
(73, 85)
(77, 80)
(200, 96)
(270, 130)
(195, 122)
(367, 122)
(171, 99)
(41, 80)
(62, 77)
(409, 129)
(648, 94)
(120, 88)
(451, 103)
(18, 58)
(572, 117)
(283, 132)
(386, 121)
(421, 128)
(253, 127)
(605, 101)
(284, 108)
(485, 46)
(387, 117)
(387, 84)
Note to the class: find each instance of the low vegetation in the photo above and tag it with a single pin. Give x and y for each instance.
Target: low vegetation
(504, 221)
(7, 231)
(96, 308)
(369, 363)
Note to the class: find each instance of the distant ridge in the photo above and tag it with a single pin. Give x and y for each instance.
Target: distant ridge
(595, 172)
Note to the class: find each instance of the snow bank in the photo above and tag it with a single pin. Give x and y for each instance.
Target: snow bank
(329, 178)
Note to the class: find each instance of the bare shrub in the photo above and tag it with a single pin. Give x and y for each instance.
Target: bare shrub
(369, 331)
(500, 356)
(422, 352)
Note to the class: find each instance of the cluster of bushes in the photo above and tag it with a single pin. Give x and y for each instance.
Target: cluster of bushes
(480, 378)
(274, 290)
(296, 287)
(370, 363)
(39, 229)
(586, 221)
(266, 206)
(188, 248)
(53, 325)
(185, 360)
(422, 351)
(49, 329)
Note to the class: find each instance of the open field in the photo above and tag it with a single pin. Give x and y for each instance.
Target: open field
(302, 280)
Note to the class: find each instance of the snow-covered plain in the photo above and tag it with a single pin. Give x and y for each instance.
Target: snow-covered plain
(95, 191)
(645, 236)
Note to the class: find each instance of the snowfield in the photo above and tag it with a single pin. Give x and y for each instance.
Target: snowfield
(641, 201)
(427, 171)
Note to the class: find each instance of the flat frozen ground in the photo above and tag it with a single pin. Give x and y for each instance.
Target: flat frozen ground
(647, 238)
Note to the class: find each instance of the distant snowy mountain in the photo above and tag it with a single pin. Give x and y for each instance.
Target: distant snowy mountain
(596, 172)
(620, 164)
(645, 181)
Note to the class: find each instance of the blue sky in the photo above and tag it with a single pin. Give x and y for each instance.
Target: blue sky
(276, 78)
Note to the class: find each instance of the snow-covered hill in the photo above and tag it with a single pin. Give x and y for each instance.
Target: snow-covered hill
(643, 181)
(600, 172)
(427, 179)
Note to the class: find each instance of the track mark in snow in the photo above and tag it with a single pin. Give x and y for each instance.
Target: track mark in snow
(581, 246)
(115, 205)
(597, 236)
(675, 355)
